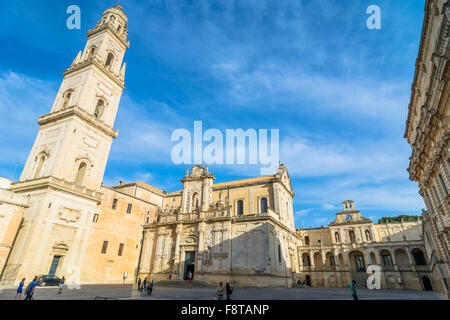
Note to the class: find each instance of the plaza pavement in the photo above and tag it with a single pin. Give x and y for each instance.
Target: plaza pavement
(126, 292)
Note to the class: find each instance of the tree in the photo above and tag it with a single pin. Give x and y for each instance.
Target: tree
(399, 218)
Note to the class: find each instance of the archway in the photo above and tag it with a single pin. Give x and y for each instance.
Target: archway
(318, 263)
(386, 258)
(305, 259)
(357, 262)
(308, 280)
(419, 257)
(401, 258)
(330, 259)
(427, 284)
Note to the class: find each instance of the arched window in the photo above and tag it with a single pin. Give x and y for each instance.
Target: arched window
(306, 241)
(263, 205)
(91, 52)
(119, 28)
(337, 237)
(67, 96)
(99, 109)
(240, 207)
(368, 236)
(109, 60)
(41, 160)
(81, 173)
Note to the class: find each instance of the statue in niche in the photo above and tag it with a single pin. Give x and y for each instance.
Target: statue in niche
(207, 258)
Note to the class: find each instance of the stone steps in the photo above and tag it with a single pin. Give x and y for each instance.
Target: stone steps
(183, 284)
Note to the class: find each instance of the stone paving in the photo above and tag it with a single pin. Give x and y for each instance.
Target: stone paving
(125, 292)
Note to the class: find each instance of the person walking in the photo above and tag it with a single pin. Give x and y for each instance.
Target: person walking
(61, 284)
(219, 291)
(144, 285)
(30, 289)
(353, 290)
(228, 291)
(19, 289)
(139, 284)
(190, 277)
(150, 288)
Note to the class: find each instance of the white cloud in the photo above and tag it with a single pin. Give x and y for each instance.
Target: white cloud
(303, 212)
(328, 206)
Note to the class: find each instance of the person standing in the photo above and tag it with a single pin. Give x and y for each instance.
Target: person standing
(219, 291)
(353, 290)
(139, 284)
(150, 288)
(19, 289)
(228, 291)
(190, 277)
(30, 289)
(144, 285)
(61, 284)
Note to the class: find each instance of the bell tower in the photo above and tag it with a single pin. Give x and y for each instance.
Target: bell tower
(74, 139)
(63, 174)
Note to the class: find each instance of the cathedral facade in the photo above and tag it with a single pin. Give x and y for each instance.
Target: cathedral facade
(241, 231)
(59, 219)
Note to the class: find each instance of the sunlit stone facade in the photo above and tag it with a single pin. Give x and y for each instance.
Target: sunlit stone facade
(333, 256)
(428, 133)
(59, 219)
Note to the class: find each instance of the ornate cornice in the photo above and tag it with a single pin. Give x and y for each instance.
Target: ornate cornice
(94, 61)
(56, 184)
(81, 114)
(106, 26)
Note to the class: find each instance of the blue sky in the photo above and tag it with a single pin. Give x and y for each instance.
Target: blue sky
(337, 91)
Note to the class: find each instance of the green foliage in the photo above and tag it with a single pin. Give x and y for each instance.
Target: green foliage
(398, 218)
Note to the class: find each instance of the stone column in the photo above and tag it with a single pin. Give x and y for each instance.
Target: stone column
(250, 195)
(200, 247)
(361, 235)
(230, 247)
(276, 198)
(176, 259)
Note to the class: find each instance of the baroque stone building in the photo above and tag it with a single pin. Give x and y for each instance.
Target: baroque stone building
(428, 133)
(59, 218)
(334, 256)
(241, 231)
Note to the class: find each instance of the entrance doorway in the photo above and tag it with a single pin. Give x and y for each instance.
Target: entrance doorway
(54, 265)
(189, 264)
(427, 284)
(308, 280)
